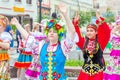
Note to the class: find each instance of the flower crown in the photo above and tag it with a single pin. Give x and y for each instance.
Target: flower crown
(54, 24)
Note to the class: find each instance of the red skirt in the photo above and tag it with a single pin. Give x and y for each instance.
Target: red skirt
(85, 76)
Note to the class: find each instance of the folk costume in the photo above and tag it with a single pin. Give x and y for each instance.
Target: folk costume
(112, 71)
(5, 37)
(33, 71)
(94, 64)
(53, 57)
(25, 56)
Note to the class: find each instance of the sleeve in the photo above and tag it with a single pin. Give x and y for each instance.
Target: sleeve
(33, 44)
(103, 33)
(68, 43)
(6, 37)
(8, 28)
(81, 40)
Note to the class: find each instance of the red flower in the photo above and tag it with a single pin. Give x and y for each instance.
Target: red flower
(52, 20)
(55, 79)
(54, 74)
(44, 78)
(59, 75)
(58, 26)
(47, 28)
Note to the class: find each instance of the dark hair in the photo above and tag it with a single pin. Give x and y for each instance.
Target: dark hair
(86, 43)
(54, 15)
(92, 26)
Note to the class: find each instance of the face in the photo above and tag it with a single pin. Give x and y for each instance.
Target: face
(52, 35)
(118, 27)
(91, 33)
(27, 28)
(1, 28)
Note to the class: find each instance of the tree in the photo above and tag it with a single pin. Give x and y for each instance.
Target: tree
(109, 16)
(85, 17)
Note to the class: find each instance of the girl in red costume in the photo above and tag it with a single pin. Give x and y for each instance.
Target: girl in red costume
(93, 46)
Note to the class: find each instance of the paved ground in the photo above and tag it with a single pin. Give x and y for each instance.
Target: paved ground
(14, 79)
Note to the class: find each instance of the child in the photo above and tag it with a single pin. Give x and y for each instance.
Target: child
(25, 56)
(5, 39)
(112, 70)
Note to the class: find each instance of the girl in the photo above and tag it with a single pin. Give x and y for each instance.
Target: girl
(92, 46)
(52, 53)
(34, 70)
(35, 31)
(112, 69)
(5, 39)
(25, 56)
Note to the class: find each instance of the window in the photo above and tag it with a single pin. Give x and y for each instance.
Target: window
(29, 1)
(18, 0)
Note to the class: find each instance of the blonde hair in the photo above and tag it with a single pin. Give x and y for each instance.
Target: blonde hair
(35, 27)
(27, 27)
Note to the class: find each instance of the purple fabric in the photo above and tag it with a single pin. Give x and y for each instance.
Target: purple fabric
(115, 53)
(40, 37)
(111, 76)
(32, 74)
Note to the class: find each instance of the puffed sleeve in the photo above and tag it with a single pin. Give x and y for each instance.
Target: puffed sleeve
(103, 33)
(6, 37)
(33, 44)
(68, 43)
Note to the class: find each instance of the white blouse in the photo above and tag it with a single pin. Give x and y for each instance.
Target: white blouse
(66, 44)
(5, 37)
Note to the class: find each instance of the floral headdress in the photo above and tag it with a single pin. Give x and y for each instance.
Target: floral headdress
(3, 20)
(56, 26)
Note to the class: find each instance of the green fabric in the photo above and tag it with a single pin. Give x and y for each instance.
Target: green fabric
(109, 45)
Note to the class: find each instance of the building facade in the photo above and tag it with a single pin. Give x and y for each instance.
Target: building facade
(73, 5)
(111, 4)
(24, 10)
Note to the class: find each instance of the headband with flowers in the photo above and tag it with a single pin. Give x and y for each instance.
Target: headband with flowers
(54, 24)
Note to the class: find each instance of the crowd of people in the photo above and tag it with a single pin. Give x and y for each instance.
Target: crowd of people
(42, 54)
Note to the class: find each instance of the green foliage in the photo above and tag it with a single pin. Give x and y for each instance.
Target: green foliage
(77, 63)
(109, 16)
(74, 63)
(85, 17)
(13, 27)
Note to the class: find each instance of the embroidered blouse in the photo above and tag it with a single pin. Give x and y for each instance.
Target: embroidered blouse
(6, 38)
(94, 61)
(52, 57)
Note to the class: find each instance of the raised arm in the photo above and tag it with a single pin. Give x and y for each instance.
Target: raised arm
(81, 41)
(103, 31)
(23, 32)
(70, 28)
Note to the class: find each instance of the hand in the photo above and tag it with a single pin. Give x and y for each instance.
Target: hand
(14, 21)
(77, 17)
(98, 15)
(63, 8)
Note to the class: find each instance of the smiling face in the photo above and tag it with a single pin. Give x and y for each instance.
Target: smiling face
(91, 32)
(52, 35)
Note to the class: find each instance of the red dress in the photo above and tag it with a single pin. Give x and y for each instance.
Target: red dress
(93, 66)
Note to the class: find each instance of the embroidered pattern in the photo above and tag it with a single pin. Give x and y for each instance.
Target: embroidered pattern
(50, 65)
